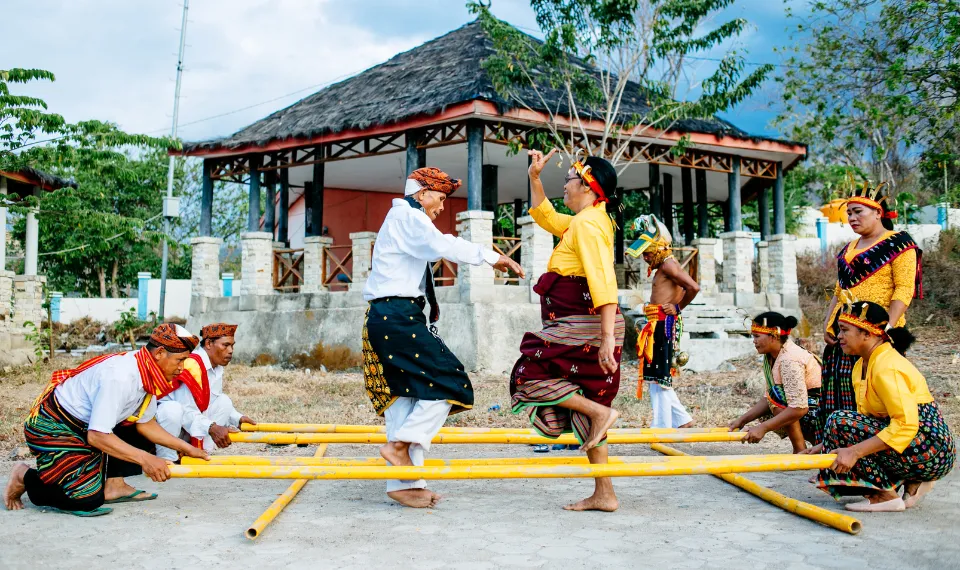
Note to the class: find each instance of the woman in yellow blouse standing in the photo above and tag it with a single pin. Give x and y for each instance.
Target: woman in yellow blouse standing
(897, 435)
(881, 266)
(569, 372)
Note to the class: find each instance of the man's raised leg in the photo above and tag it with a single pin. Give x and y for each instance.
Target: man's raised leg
(413, 435)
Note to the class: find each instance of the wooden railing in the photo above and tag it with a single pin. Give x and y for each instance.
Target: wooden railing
(287, 270)
(687, 256)
(444, 273)
(336, 271)
(508, 246)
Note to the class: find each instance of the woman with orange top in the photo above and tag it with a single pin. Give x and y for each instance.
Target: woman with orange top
(882, 266)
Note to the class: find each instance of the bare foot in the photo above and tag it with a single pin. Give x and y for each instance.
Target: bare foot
(397, 453)
(599, 428)
(607, 504)
(415, 498)
(115, 488)
(689, 424)
(15, 487)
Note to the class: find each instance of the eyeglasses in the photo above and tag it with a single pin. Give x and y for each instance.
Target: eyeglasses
(569, 178)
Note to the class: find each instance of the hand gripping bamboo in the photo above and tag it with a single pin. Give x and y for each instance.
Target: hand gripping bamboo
(282, 501)
(675, 466)
(806, 510)
(501, 438)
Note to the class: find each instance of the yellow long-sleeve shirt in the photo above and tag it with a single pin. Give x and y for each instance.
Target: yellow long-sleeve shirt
(892, 388)
(585, 248)
(895, 281)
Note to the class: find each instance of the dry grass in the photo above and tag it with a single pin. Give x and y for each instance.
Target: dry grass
(333, 358)
(271, 394)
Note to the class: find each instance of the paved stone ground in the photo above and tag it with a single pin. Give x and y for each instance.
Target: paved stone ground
(678, 522)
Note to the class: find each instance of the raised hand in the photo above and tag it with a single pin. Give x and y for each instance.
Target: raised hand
(538, 161)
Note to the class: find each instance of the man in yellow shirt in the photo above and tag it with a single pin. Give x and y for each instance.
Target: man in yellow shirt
(569, 372)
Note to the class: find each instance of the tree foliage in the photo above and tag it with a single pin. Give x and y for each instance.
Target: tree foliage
(596, 52)
(873, 84)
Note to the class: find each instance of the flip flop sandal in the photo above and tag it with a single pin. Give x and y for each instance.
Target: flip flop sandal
(132, 498)
(541, 448)
(98, 512)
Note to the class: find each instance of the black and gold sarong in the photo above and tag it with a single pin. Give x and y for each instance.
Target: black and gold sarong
(402, 358)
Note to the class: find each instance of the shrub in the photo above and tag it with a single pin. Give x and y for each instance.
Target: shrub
(263, 359)
(332, 358)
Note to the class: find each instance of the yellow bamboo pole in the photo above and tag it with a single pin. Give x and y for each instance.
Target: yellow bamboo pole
(379, 461)
(281, 502)
(675, 466)
(806, 510)
(338, 428)
(502, 438)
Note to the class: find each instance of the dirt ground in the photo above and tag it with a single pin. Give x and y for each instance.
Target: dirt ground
(676, 522)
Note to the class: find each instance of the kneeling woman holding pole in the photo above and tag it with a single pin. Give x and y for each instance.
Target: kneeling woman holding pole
(897, 436)
(793, 385)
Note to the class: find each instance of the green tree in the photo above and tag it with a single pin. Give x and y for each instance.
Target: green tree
(597, 52)
(873, 84)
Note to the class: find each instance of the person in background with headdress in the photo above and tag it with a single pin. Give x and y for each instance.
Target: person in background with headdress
(94, 425)
(412, 378)
(897, 435)
(658, 342)
(197, 410)
(881, 266)
(793, 385)
(569, 372)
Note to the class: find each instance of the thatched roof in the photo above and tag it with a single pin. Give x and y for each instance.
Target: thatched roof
(420, 82)
(32, 177)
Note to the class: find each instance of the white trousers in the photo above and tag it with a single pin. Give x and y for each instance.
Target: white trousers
(668, 412)
(170, 416)
(416, 422)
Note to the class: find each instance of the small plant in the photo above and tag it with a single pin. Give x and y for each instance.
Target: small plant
(38, 338)
(332, 358)
(263, 359)
(129, 326)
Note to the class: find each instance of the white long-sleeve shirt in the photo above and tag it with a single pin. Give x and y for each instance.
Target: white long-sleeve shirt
(196, 422)
(407, 241)
(106, 394)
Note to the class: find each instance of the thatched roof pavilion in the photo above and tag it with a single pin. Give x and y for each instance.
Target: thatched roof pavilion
(365, 133)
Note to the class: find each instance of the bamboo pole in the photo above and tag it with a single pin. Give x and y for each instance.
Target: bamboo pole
(281, 502)
(338, 428)
(823, 516)
(675, 466)
(501, 438)
(380, 462)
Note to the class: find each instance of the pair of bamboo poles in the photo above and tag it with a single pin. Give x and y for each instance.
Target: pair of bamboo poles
(318, 467)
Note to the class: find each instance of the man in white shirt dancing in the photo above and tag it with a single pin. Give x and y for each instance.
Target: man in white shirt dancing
(411, 377)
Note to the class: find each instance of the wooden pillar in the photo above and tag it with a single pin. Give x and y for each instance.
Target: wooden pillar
(725, 208)
(490, 188)
(270, 211)
(617, 205)
(308, 209)
(529, 198)
(703, 216)
(416, 157)
(206, 199)
(779, 214)
(283, 219)
(319, 170)
(253, 199)
(655, 198)
(686, 183)
(733, 192)
(666, 203)
(763, 211)
(31, 247)
(474, 165)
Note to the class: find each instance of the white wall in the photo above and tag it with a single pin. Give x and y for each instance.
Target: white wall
(108, 310)
(104, 310)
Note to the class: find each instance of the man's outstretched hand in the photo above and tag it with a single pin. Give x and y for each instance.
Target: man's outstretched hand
(507, 264)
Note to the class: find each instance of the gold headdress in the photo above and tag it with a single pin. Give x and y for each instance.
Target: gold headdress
(870, 196)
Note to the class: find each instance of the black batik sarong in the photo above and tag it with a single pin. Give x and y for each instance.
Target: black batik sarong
(402, 358)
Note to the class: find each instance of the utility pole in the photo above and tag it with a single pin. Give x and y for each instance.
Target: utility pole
(171, 205)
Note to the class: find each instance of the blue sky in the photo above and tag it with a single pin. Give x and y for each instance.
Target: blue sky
(115, 59)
